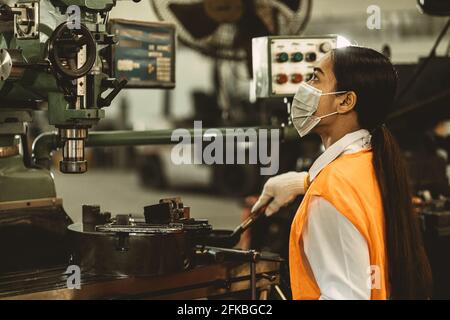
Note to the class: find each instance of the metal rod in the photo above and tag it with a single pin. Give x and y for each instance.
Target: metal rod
(235, 254)
(253, 279)
(280, 293)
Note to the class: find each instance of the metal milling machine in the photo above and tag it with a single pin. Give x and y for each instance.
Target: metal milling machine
(61, 55)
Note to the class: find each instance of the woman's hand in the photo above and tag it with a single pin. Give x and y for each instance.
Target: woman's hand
(281, 189)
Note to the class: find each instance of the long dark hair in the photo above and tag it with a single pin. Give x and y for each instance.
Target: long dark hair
(374, 80)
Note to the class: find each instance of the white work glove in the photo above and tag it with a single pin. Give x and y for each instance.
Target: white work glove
(281, 189)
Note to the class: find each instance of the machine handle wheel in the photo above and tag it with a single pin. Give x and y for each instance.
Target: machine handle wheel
(63, 48)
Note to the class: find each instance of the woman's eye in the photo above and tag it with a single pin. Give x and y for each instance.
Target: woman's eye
(312, 77)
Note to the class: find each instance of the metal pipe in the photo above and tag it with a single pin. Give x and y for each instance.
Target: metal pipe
(43, 147)
(152, 137)
(47, 142)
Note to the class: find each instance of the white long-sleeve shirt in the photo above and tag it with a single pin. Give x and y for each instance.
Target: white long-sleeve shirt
(336, 251)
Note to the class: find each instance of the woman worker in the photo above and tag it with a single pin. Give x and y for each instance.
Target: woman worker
(355, 235)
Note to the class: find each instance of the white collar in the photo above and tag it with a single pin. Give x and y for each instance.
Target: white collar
(338, 148)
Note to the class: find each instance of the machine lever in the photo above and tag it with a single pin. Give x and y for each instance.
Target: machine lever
(117, 87)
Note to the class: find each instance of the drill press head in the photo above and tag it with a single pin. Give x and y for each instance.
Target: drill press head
(73, 52)
(50, 50)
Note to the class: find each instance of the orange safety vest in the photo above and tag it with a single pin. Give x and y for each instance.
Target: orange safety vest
(350, 185)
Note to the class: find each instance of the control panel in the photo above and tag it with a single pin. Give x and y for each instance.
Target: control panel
(280, 63)
(144, 54)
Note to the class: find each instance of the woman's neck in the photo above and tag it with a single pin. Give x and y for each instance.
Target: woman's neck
(334, 134)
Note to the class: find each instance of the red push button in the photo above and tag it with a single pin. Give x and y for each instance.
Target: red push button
(282, 78)
(296, 78)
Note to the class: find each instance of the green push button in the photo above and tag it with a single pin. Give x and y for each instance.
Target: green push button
(282, 57)
(297, 57)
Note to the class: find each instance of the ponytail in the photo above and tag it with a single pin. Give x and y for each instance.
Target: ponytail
(409, 272)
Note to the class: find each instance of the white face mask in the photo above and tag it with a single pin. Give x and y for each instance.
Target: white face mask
(304, 105)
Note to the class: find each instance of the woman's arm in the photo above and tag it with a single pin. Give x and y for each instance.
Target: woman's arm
(337, 253)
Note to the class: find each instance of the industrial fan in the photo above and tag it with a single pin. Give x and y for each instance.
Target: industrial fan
(223, 29)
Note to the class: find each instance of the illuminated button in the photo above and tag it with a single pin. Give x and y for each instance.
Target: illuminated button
(297, 57)
(311, 56)
(296, 78)
(282, 78)
(325, 47)
(282, 57)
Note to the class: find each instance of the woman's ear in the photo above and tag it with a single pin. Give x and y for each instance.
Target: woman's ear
(346, 102)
